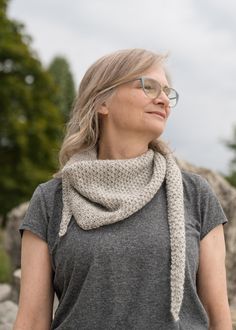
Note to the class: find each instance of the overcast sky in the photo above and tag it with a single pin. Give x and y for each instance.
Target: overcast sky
(199, 35)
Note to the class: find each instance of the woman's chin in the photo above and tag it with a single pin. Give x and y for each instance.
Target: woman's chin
(156, 130)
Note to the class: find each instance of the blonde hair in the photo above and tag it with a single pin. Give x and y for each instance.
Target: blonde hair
(83, 127)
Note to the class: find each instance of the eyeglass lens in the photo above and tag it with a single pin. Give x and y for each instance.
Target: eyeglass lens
(153, 89)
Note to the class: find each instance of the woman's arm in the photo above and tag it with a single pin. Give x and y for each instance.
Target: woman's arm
(211, 280)
(36, 293)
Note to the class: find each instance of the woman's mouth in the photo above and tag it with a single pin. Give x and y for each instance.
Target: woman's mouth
(158, 114)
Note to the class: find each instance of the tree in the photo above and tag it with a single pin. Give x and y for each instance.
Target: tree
(232, 146)
(30, 123)
(60, 71)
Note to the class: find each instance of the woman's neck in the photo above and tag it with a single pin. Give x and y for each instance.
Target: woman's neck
(108, 151)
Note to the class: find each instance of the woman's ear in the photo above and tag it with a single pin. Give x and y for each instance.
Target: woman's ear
(103, 109)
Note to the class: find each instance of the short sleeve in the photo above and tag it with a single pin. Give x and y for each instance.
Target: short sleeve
(212, 213)
(36, 219)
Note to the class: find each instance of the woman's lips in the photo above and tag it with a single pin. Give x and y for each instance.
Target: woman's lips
(162, 115)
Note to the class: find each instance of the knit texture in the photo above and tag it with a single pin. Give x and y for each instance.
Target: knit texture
(101, 192)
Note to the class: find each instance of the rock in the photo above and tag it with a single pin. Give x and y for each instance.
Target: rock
(227, 197)
(12, 241)
(55, 303)
(6, 326)
(16, 286)
(8, 311)
(5, 292)
(233, 315)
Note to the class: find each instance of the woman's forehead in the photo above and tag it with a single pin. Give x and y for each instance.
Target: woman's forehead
(157, 73)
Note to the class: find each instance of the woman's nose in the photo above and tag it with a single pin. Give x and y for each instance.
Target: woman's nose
(162, 99)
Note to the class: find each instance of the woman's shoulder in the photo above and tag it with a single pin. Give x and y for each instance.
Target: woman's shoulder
(202, 199)
(199, 191)
(40, 210)
(51, 193)
(195, 182)
(196, 188)
(50, 186)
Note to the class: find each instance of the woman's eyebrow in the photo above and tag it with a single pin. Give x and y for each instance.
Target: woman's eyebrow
(163, 85)
(136, 82)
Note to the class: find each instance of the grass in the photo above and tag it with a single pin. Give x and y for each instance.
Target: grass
(5, 263)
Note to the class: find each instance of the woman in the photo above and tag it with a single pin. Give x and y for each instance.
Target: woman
(124, 238)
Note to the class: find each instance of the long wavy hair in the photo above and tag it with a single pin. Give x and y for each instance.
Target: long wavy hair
(82, 129)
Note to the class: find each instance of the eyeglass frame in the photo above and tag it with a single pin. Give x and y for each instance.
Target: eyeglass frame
(142, 85)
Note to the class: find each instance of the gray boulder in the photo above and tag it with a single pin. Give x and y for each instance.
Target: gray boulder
(5, 292)
(8, 311)
(227, 197)
(12, 241)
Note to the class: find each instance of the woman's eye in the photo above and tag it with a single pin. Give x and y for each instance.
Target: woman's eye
(148, 87)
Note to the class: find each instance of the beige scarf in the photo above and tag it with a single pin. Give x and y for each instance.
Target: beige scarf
(101, 192)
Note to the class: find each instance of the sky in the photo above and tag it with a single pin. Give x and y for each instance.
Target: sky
(198, 35)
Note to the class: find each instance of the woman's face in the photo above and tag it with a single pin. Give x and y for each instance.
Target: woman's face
(129, 112)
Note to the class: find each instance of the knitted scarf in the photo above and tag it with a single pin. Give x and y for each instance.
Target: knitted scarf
(102, 192)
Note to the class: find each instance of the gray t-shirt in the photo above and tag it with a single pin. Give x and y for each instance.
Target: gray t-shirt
(118, 276)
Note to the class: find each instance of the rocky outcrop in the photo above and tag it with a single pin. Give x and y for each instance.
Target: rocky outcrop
(8, 309)
(12, 241)
(227, 197)
(5, 292)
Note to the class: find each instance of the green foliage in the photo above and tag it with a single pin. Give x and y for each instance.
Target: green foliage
(61, 73)
(232, 146)
(30, 123)
(5, 267)
(231, 179)
(5, 264)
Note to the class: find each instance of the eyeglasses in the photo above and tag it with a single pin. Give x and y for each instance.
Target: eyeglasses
(152, 89)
